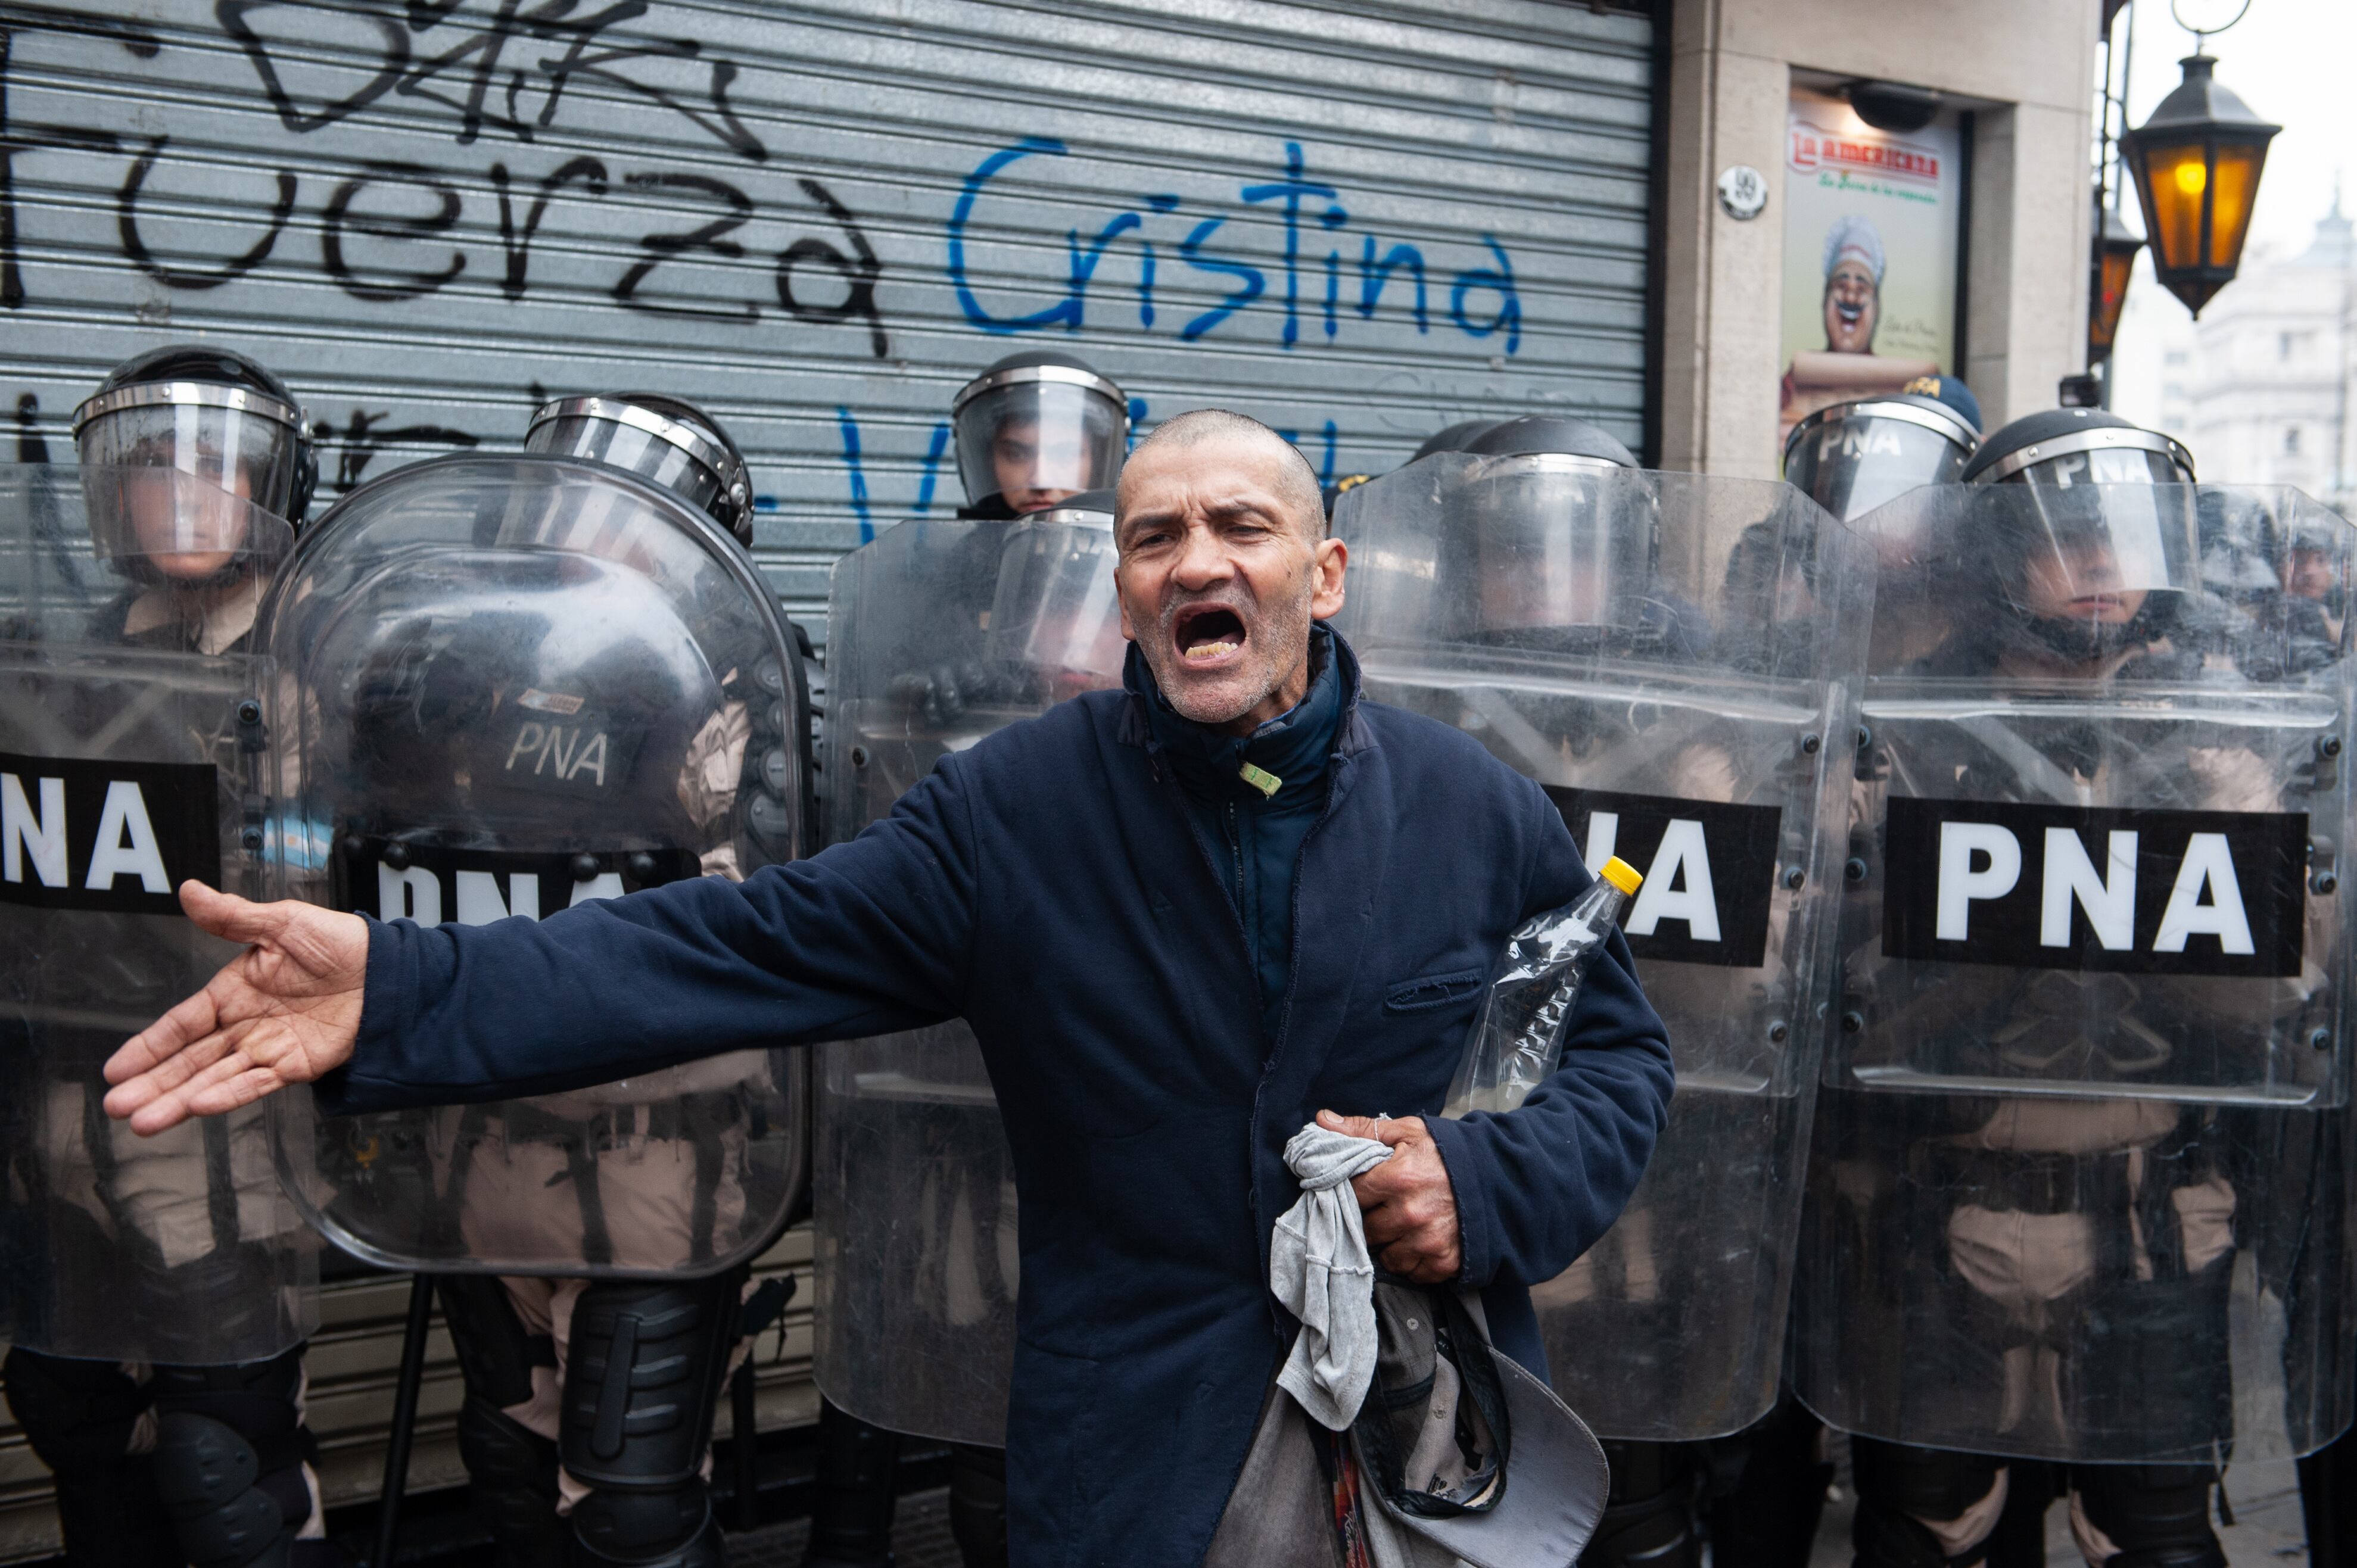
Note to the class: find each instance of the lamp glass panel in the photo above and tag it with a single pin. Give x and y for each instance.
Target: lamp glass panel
(2112, 291)
(2236, 183)
(2173, 179)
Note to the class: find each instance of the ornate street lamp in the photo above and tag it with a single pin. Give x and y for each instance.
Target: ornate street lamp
(2115, 253)
(2195, 164)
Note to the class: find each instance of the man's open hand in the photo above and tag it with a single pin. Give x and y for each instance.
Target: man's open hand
(1409, 1209)
(283, 1011)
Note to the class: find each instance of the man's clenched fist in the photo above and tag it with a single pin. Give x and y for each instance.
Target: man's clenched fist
(1408, 1204)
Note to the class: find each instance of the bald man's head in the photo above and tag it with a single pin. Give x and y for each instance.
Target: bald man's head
(1294, 482)
(1224, 564)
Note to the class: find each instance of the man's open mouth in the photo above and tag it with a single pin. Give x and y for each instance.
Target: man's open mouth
(1850, 314)
(1208, 633)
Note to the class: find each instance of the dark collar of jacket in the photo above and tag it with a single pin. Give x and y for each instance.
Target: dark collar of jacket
(1205, 761)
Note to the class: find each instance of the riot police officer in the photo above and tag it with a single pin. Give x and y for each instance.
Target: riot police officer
(528, 683)
(1039, 434)
(1540, 592)
(164, 1287)
(2039, 1157)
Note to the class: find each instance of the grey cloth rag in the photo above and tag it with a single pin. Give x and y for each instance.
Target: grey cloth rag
(1319, 1267)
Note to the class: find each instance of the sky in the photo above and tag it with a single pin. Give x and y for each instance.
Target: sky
(2289, 60)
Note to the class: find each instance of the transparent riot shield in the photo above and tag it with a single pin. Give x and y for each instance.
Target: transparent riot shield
(941, 632)
(2079, 1188)
(1670, 656)
(133, 729)
(513, 685)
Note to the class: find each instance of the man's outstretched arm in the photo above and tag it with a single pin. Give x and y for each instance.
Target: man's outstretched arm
(870, 937)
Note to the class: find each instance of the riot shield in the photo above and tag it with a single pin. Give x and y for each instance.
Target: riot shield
(1671, 658)
(915, 1201)
(2079, 1189)
(134, 731)
(513, 686)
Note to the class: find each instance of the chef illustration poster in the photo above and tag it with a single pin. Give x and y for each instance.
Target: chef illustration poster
(1870, 243)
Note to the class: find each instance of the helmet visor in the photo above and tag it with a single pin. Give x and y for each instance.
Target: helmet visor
(239, 450)
(1562, 545)
(1036, 442)
(1851, 466)
(178, 525)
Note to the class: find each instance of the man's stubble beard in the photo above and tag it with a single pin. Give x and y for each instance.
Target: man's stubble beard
(1277, 641)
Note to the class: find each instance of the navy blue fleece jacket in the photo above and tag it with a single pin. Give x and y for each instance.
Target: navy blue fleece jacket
(1047, 884)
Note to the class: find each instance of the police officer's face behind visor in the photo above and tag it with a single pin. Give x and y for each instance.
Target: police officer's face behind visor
(2077, 581)
(189, 532)
(1224, 564)
(1028, 464)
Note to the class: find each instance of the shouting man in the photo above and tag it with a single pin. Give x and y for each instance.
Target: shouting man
(1182, 919)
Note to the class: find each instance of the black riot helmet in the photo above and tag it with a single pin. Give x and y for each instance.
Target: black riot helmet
(1455, 438)
(1850, 458)
(666, 440)
(2064, 446)
(1035, 428)
(2105, 555)
(1560, 435)
(209, 411)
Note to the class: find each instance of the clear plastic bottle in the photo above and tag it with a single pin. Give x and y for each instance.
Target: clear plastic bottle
(1518, 1038)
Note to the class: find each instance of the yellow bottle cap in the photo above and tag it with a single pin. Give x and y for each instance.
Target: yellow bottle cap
(1623, 875)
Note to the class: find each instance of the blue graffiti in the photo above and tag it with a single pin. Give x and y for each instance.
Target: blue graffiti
(1068, 310)
(932, 468)
(1291, 190)
(1373, 276)
(1296, 196)
(1509, 304)
(1248, 278)
(849, 424)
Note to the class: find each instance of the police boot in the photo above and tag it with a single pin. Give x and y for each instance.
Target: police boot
(512, 1470)
(1648, 1517)
(851, 1513)
(978, 1504)
(229, 1453)
(642, 1377)
(2158, 1515)
(81, 1418)
(1899, 1487)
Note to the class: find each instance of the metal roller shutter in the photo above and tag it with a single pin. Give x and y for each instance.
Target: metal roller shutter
(1357, 221)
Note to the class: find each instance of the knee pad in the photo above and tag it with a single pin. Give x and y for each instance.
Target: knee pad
(2158, 1515)
(851, 1507)
(513, 1472)
(978, 1505)
(667, 1526)
(229, 1451)
(226, 1509)
(75, 1413)
(1649, 1519)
